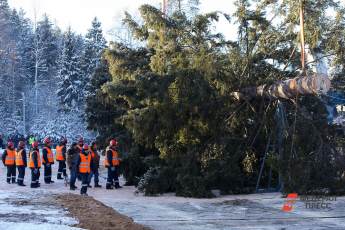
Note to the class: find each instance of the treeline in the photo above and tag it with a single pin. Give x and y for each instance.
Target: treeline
(45, 75)
(170, 101)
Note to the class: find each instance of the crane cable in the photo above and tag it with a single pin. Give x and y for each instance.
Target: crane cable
(301, 14)
(301, 18)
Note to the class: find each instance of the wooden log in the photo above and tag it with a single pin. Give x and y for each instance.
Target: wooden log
(305, 85)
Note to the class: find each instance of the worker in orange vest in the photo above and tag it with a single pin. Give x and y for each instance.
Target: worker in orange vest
(80, 148)
(48, 161)
(9, 160)
(35, 165)
(84, 165)
(112, 163)
(21, 162)
(61, 158)
(95, 158)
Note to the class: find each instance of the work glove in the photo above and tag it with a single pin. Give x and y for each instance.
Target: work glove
(113, 169)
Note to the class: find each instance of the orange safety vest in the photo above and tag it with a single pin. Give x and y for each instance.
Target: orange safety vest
(85, 162)
(50, 156)
(10, 157)
(59, 155)
(115, 158)
(31, 161)
(19, 158)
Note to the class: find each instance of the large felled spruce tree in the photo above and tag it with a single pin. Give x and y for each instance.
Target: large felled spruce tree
(174, 97)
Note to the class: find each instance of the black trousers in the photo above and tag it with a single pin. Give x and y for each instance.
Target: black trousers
(62, 170)
(21, 175)
(84, 182)
(113, 176)
(47, 173)
(35, 178)
(11, 173)
(95, 173)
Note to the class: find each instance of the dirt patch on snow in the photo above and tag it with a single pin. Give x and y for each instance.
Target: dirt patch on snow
(237, 202)
(94, 215)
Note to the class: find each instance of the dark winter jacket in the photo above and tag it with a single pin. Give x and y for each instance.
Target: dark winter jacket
(35, 157)
(1, 143)
(79, 159)
(23, 156)
(72, 157)
(95, 160)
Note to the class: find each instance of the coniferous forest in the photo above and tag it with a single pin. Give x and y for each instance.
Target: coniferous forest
(168, 96)
(45, 75)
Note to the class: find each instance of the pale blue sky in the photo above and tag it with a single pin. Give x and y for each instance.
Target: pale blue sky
(79, 13)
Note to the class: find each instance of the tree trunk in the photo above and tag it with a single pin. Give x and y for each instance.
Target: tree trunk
(304, 85)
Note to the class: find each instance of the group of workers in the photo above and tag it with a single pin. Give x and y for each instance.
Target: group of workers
(83, 162)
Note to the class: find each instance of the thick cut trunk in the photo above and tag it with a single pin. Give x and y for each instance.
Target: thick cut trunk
(306, 85)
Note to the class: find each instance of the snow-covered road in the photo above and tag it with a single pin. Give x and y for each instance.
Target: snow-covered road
(255, 211)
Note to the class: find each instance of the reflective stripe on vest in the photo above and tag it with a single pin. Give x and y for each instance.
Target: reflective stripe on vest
(59, 155)
(50, 156)
(85, 162)
(115, 158)
(31, 161)
(19, 158)
(10, 157)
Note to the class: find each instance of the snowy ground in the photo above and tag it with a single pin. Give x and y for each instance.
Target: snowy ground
(228, 212)
(256, 211)
(26, 209)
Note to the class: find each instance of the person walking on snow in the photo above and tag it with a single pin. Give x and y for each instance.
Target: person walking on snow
(95, 157)
(84, 165)
(48, 161)
(61, 158)
(8, 158)
(112, 163)
(35, 165)
(72, 156)
(21, 162)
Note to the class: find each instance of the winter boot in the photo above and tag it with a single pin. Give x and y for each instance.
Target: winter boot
(98, 185)
(59, 177)
(34, 186)
(117, 185)
(109, 187)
